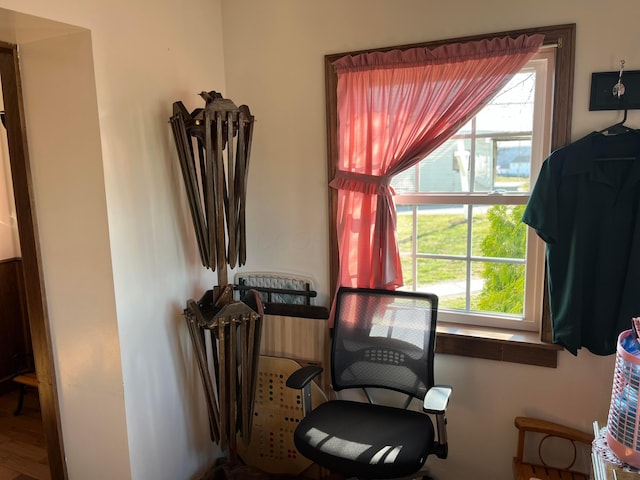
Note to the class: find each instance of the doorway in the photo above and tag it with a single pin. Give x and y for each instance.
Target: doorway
(31, 263)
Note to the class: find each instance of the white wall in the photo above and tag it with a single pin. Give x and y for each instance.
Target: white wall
(119, 258)
(274, 62)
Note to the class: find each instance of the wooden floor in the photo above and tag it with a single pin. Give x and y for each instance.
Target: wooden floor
(23, 455)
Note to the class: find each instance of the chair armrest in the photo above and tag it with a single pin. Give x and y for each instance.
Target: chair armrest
(301, 377)
(437, 399)
(435, 402)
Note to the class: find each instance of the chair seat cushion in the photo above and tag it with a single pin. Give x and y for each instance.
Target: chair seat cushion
(364, 440)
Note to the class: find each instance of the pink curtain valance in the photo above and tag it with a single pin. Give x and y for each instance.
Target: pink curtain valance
(448, 53)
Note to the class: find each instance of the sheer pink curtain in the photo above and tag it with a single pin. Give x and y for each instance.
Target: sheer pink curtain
(394, 108)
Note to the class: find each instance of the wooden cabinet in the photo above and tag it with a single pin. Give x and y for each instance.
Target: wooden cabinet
(15, 339)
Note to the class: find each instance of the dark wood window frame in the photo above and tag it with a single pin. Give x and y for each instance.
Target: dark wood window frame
(504, 345)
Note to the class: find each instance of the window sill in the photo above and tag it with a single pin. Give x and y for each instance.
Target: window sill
(496, 344)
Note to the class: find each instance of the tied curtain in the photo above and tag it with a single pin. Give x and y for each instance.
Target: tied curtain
(394, 108)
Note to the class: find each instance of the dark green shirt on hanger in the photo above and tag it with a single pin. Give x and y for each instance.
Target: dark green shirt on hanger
(585, 205)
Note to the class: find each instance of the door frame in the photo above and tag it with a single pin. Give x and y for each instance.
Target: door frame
(31, 260)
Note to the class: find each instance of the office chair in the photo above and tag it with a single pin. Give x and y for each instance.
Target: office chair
(385, 340)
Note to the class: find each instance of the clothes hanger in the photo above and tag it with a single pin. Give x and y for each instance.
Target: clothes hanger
(617, 128)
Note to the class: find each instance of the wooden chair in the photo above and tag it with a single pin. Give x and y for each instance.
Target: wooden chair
(25, 380)
(541, 469)
(24, 375)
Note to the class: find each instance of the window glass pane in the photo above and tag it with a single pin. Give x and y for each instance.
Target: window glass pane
(445, 170)
(442, 229)
(498, 232)
(466, 129)
(484, 165)
(501, 290)
(512, 109)
(513, 164)
(460, 165)
(445, 278)
(404, 228)
(407, 271)
(405, 182)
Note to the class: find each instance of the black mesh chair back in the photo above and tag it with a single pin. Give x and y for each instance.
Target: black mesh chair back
(384, 339)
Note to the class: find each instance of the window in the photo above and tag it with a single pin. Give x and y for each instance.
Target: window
(458, 225)
(500, 149)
